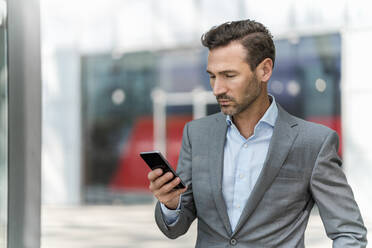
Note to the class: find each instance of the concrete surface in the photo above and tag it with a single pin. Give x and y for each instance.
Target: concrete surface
(128, 227)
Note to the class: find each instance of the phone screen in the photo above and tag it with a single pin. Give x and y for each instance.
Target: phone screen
(155, 159)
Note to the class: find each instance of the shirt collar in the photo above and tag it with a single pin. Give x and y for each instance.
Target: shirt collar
(269, 117)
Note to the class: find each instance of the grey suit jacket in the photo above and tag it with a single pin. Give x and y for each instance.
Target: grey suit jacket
(302, 167)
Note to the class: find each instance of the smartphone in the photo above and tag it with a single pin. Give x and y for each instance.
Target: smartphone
(155, 159)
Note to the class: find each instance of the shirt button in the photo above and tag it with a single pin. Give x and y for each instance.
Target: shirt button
(237, 206)
(245, 145)
(241, 176)
(233, 241)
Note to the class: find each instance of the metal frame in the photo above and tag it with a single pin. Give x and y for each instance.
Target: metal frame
(198, 98)
(24, 122)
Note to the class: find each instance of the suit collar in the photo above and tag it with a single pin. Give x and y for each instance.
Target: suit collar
(284, 135)
(215, 164)
(281, 142)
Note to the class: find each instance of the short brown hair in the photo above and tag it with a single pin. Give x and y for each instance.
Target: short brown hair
(254, 36)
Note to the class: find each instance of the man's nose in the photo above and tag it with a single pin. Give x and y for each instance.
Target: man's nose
(219, 88)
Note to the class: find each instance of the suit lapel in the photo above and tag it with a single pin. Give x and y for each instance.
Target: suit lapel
(215, 155)
(281, 142)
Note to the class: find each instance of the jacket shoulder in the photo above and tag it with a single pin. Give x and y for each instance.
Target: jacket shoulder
(313, 128)
(207, 120)
(311, 134)
(304, 126)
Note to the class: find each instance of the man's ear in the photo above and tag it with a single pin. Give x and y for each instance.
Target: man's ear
(265, 70)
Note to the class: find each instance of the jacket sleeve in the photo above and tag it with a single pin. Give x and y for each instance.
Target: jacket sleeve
(337, 207)
(187, 212)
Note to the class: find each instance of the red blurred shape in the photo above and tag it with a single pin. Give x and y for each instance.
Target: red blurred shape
(333, 122)
(132, 171)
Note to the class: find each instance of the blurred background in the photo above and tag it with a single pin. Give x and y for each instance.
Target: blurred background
(121, 77)
(3, 128)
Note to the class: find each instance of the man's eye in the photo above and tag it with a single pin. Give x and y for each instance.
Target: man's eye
(230, 75)
(212, 77)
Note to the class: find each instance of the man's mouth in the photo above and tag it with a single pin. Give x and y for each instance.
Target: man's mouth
(224, 102)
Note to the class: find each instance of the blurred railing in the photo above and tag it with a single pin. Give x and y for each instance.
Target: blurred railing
(198, 98)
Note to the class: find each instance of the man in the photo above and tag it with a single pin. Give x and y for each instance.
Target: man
(254, 171)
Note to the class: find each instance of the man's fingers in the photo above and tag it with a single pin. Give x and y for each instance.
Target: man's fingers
(157, 184)
(165, 189)
(172, 195)
(160, 181)
(163, 186)
(176, 193)
(154, 174)
(170, 186)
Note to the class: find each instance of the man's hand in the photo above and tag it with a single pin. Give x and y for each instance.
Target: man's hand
(163, 189)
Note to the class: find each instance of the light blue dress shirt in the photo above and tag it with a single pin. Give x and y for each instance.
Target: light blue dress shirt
(243, 162)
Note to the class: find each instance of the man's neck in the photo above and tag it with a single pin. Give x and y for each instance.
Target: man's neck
(248, 119)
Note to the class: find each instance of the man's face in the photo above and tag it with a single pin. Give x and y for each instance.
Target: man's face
(234, 84)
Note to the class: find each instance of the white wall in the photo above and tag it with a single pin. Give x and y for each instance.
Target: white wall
(356, 114)
(61, 144)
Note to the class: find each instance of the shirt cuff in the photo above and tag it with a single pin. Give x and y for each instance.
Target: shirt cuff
(171, 216)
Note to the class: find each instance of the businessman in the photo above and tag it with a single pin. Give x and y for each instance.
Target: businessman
(253, 171)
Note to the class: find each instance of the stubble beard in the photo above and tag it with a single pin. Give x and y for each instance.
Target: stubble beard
(247, 101)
